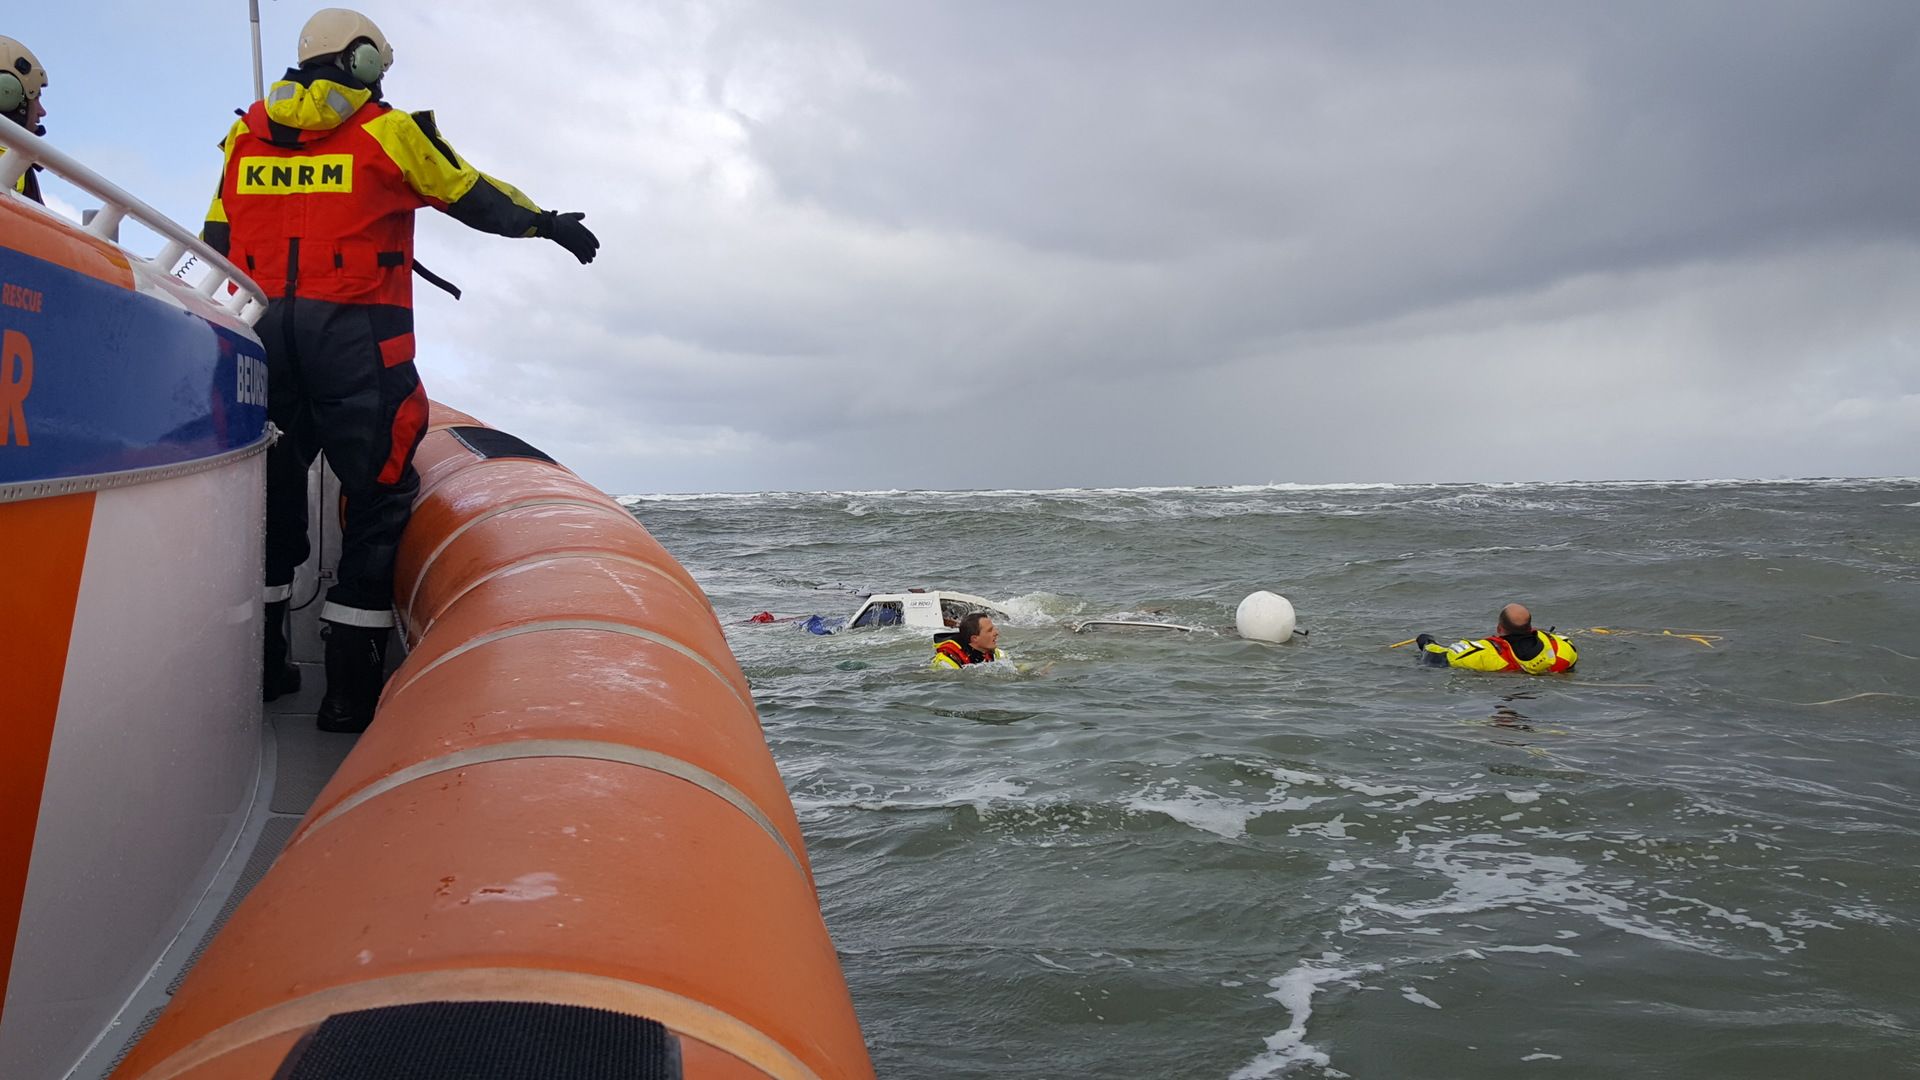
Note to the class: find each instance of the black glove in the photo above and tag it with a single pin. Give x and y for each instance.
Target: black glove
(566, 230)
(1427, 657)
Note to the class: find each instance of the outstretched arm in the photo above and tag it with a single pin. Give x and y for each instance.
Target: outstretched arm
(1472, 655)
(466, 194)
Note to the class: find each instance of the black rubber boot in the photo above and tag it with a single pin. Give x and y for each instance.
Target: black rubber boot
(277, 676)
(356, 669)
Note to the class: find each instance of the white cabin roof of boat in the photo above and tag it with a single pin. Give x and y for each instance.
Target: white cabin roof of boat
(920, 609)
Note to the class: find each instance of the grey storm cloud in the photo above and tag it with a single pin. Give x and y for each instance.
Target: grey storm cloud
(994, 244)
(1421, 155)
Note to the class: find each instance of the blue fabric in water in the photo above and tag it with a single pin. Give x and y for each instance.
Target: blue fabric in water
(817, 624)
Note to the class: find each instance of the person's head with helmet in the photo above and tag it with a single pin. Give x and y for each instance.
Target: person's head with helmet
(347, 40)
(22, 77)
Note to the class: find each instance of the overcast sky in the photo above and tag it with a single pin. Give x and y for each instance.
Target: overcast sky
(854, 245)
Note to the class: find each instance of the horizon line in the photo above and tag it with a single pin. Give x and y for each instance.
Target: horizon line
(1355, 485)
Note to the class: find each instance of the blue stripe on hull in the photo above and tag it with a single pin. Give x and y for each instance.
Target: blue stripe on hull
(118, 380)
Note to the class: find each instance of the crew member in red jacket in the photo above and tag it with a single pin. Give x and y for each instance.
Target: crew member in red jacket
(316, 204)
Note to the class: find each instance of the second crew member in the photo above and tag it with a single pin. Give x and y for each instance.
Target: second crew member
(22, 77)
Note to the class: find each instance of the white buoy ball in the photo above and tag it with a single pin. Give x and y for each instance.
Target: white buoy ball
(1265, 616)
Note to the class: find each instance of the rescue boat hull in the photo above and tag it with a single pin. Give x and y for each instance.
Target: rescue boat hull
(132, 431)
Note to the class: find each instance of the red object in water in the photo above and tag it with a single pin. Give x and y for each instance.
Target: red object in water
(765, 616)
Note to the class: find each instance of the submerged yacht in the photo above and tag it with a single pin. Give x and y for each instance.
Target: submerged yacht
(932, 610)
(562, 840)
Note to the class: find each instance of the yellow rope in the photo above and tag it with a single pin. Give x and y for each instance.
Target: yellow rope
(1697, 638)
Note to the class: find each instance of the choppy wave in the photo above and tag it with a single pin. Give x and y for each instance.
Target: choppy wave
(1191, 855)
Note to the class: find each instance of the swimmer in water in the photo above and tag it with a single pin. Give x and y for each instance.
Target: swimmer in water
(973, 642)
(1514, 646)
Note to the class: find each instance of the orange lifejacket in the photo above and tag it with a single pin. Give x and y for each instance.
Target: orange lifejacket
(328, 217)
(1550, 642)
(953, 651)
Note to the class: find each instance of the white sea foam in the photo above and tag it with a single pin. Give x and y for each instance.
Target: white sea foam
(1418, 998)
(1336, 829)
(1294, 990)
(982, 795)
(1780, 940)
(1198, 810)
(1867, 914)
(1040, 608)
(1488, 880)
(1361, 787)
(1201, 809)
(1417, 796)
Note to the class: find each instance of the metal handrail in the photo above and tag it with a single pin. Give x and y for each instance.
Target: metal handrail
(245, 300)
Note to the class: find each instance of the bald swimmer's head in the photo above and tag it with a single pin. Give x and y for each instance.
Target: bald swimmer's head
(1515, 619)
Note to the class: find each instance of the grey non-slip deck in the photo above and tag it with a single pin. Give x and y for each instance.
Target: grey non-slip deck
(296, 762)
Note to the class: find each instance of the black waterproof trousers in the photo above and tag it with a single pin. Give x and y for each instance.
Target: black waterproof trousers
(341, 379)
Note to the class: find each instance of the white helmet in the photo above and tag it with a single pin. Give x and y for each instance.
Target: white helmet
(332, 31)
(22, 76)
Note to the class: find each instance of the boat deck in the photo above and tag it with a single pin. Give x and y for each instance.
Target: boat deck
(296, 761)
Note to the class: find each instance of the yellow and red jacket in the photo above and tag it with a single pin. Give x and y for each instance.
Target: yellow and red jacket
(1556, 654)
(28, 184)
(951, 654)
(320, 186)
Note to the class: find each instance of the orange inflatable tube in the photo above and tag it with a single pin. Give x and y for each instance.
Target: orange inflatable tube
(564, 798)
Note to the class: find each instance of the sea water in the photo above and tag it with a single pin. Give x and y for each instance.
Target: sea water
(1189, 855)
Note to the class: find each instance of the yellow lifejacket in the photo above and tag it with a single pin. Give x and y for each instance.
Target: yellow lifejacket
(1556, 654)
